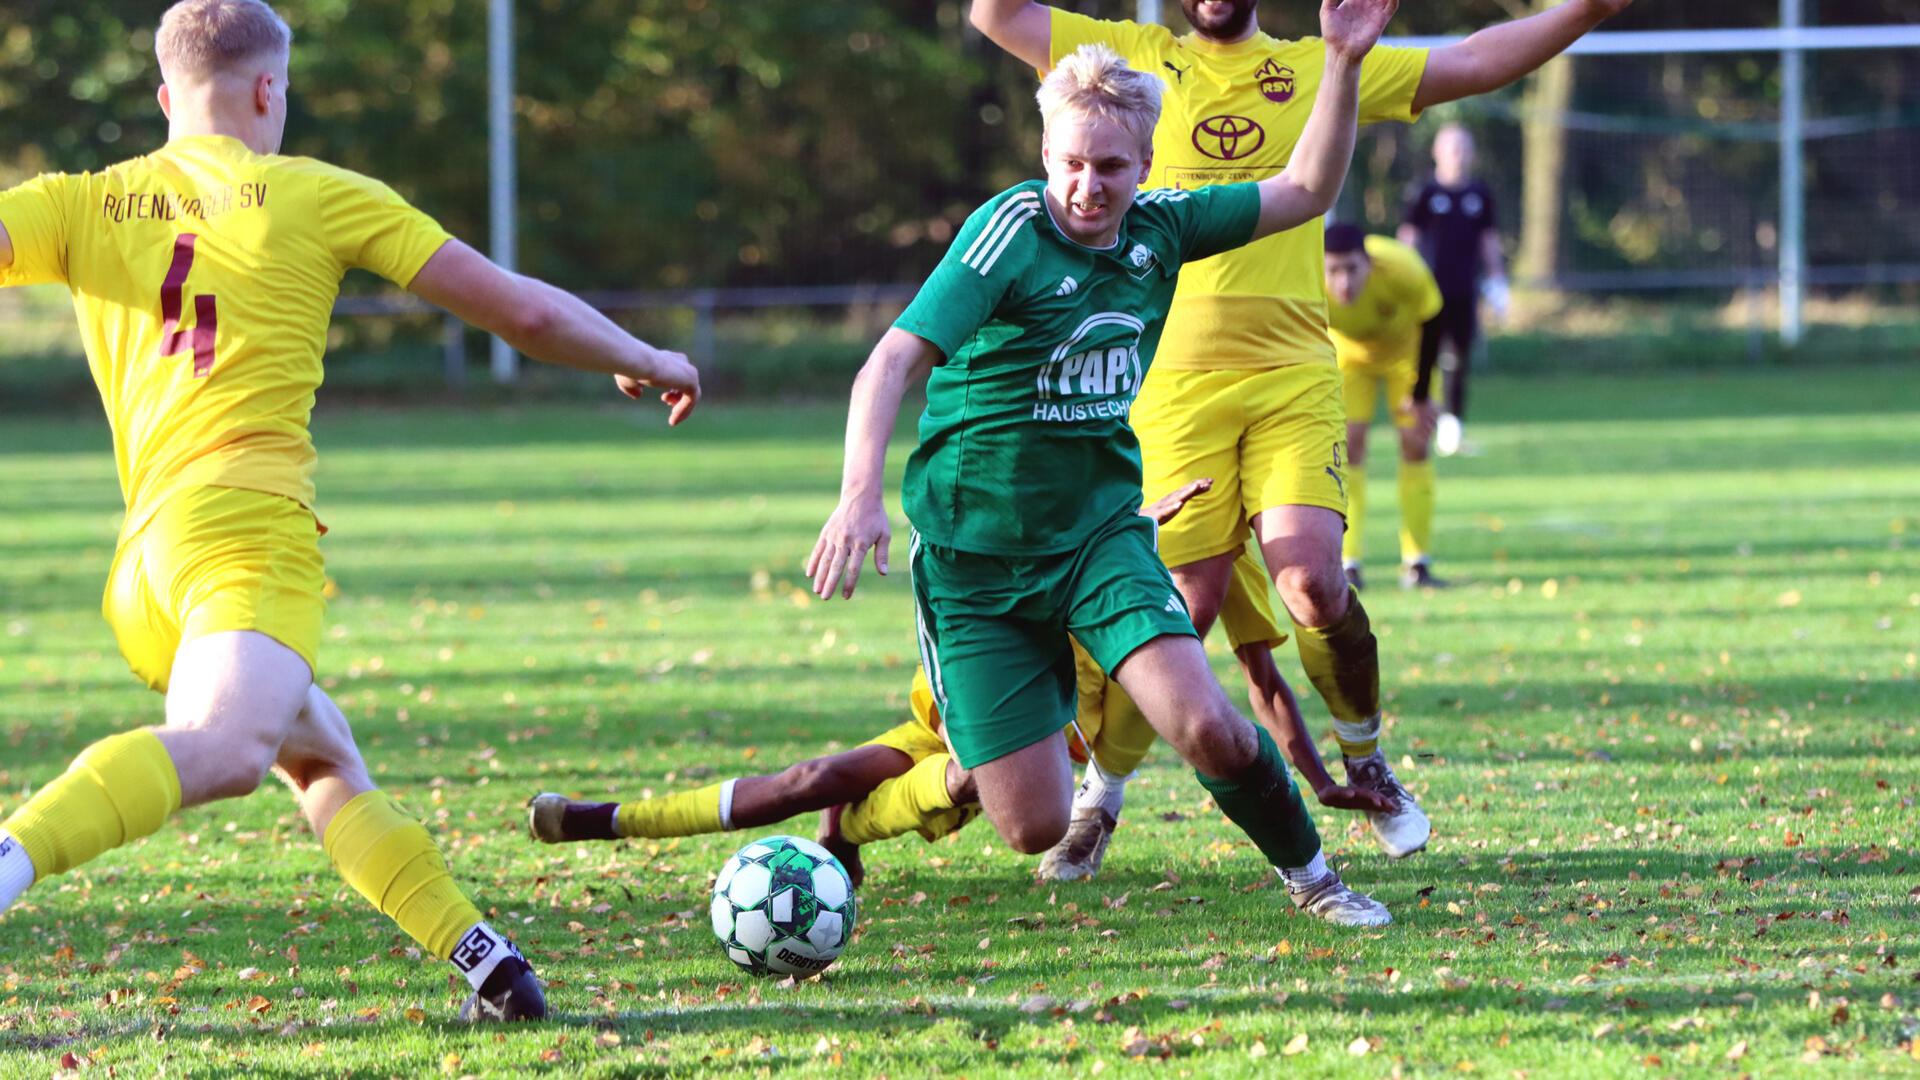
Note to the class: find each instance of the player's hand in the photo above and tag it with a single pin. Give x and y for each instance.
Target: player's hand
(844, 540)
(1163, 509)
(1426, 415)
(1351, 27)
(677, 379)
(1342, 797)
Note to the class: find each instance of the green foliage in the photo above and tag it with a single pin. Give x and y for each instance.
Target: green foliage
(1663, 723)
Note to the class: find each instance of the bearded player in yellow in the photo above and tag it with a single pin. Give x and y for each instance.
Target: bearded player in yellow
(204, 275)
(1244, 388)
(1381, 304)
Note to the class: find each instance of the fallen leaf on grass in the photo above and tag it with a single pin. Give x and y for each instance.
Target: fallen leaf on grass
(1359, 1047)
(1295, 1045)
(1737, 1051)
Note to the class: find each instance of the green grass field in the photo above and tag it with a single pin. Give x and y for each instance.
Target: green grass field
(1665, 724)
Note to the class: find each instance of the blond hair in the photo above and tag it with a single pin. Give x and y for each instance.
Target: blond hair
(202, 38)
(1093, 81)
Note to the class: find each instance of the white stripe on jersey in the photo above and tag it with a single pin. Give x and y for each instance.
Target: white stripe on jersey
(1000, 230)
(1162, 195)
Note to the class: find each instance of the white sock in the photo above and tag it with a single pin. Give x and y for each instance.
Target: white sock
(481, 949)
(1304, 876)
(16, 870)
(1102, 789)
(726, 804)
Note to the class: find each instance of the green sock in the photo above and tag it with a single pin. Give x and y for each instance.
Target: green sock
(1267, 806)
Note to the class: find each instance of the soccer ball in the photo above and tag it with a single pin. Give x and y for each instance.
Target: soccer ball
(783, 906)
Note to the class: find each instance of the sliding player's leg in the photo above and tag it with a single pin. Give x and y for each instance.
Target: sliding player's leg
(933, 798)
(1241, 767)
(745, 802)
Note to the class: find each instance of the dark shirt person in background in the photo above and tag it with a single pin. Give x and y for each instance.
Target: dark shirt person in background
(1450, 219)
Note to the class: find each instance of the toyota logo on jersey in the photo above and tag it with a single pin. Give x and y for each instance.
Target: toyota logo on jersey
(1228, 138)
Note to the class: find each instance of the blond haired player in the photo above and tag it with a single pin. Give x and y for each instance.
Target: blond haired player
(1381, 305)
(203, 275)
(906, 779)
(1245, 389)
(1033, 335)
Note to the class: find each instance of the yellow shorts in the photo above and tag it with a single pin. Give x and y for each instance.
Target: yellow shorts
(921, 737)
(1363, 387)
(1247, 612)
(211, 560)
(1272, 437)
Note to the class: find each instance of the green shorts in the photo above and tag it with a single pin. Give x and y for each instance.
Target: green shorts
(993, 630)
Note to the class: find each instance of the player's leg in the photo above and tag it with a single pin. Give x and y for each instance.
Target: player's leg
(1118, 613)
(933, 798)
(1360, 391)
(1295, 473)
(1459, 320)
(744, 802)
(1118, 738)
(1416, 490)
(232, 698)
(209, 562)
(1000, 669)
(390, 858)
(1240, 766)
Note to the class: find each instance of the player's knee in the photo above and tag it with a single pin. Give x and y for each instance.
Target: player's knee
(242, 765)
(1315, 594)
(1216, 740)
(1034, 832)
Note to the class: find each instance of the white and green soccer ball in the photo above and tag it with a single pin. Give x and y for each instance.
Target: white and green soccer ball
(783, 906)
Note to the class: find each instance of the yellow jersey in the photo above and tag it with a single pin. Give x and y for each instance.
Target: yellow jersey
(204, 276)
(1380, 330)
(1233, 113)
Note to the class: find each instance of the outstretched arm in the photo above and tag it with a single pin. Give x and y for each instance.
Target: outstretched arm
(1021, 27)
(860, 521)
(1273, 702)
(1311, 181)
(1503, 53)
(553, 325)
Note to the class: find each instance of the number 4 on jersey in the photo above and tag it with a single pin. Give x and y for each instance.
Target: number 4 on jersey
(206, 316)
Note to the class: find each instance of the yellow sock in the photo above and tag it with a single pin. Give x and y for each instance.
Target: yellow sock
(1343, 662)
(388, 858)
(1124, 737)
(686, 813)
(121, 788)
(915, 801)
(1352, 543)
(1416, 510)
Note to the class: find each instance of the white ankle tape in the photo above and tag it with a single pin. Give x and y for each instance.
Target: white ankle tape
(726, 803)
(481, 949)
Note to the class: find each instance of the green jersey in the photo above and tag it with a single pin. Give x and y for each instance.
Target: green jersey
(1024, 446)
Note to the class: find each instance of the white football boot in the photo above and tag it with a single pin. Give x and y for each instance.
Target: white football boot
(1330, 899)
(1405, 829)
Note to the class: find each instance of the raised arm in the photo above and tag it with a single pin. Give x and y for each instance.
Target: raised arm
(1311, 181)
(860, 521)
(1022, 27)
(1500, 54)
(553, 325)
